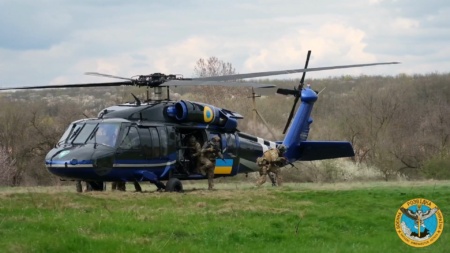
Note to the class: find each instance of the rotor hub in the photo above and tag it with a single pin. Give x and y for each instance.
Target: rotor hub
(155, 79)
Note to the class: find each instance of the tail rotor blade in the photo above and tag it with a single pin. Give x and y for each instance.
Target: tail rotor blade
(304, 73)
(297, 94)
(291, 114)
(287, 92)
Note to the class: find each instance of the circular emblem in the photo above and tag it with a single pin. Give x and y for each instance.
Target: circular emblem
(208, 114)
(419, 222)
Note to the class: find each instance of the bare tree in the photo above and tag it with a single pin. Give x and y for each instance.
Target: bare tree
(8, 171)
(231, 98)
(213, 67)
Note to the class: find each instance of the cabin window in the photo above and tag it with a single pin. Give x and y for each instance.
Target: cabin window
(155, 142)
(171, 141)
(131, 139)
(163, 140)
(146, 142)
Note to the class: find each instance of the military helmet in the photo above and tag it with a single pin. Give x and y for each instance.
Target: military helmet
(192, 138)
(281, 148)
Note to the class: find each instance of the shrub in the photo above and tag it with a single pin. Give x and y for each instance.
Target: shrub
(437, 168)
(336, 170)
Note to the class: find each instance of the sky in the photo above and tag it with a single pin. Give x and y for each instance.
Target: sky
(56, 41)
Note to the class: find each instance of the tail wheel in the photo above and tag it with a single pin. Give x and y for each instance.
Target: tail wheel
(174, 185)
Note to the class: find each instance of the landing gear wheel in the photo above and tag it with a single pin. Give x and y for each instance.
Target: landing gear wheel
(174, 185)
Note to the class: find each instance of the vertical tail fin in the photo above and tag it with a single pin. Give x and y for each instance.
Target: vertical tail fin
(298, 148)
(299, 129)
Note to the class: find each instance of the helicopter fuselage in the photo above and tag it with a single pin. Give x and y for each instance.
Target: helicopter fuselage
(149, 143)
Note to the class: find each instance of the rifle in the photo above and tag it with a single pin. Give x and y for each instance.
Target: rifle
(216, 149)
(292, 165)
(284, 162)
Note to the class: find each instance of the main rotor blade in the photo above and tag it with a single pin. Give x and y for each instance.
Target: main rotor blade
(106, 75)
(168, 83)
(77, 85)
(284, 72)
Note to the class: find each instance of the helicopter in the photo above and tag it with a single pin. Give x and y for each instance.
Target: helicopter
(147, 140)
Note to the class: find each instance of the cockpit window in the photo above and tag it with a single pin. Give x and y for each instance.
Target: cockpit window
(99, 133)
(106, 134)
(66, 134)
(74, 131)
(84, 134)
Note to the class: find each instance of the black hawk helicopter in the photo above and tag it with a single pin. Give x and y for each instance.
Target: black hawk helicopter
(146, 141)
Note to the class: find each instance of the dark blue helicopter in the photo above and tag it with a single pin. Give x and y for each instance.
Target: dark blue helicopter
(146, 141)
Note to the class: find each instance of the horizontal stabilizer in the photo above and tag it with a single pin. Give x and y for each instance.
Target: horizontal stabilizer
(319, 150)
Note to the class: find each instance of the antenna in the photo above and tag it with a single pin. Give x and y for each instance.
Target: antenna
(255, 112)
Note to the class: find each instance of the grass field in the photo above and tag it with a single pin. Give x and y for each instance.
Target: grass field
(353, 217)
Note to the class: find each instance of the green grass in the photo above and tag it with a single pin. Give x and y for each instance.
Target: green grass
(357, 217)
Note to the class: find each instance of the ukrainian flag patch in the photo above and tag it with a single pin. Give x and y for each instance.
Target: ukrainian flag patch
(208, 114)
(223, 166)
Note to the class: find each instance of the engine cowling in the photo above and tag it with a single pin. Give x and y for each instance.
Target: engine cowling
(202, 113)
(196, 112)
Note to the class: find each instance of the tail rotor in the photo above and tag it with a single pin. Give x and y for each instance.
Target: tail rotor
(296, 92)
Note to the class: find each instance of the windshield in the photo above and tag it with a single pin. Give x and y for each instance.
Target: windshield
(100, 133)
(65, 135)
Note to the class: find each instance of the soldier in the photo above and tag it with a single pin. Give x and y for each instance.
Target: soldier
(78, 186)
(120, 186)
(273, 178)
(194, 153)
(270, 162)
(210, 151)
(137, 186)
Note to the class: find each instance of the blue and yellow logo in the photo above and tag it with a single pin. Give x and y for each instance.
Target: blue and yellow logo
(419, 222)
(208, 114)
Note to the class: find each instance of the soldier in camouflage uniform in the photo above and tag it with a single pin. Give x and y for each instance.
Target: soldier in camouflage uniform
(194, 153)
(210, 151)
(273, 178)
(120, 186)
(270, 162)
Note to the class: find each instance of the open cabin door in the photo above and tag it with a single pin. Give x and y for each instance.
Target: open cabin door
(228, 166)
